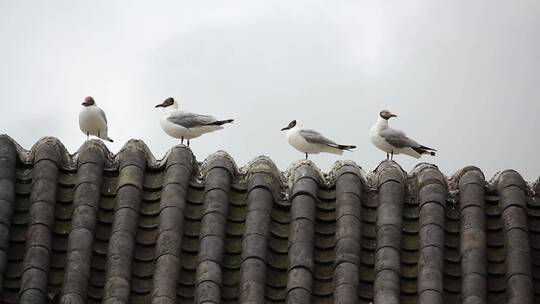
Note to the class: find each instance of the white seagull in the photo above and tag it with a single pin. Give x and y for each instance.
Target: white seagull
(394, 141)
(92, 120)
(186, 125)
(312, 142)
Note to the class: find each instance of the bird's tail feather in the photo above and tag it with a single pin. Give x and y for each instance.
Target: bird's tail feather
(338, 149)
(109, 139)
(221, 122)
(425, 150)
(346, 147)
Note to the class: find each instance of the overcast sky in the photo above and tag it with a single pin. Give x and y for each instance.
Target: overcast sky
(463, 76)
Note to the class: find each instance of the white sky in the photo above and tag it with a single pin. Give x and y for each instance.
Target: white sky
(463, 76)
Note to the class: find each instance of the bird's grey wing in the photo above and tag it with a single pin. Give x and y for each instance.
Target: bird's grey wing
(315, 137)
(191, 120)
(102, 114)
(397, 138)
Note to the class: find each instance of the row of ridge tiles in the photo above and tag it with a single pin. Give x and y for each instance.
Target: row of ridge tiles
(134, 234)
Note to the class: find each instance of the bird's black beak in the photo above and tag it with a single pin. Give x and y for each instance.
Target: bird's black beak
(393, 115)
(286, 128)
(84, 104)
(159, 105)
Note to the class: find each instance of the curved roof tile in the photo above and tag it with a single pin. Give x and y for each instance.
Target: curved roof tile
(94, 227)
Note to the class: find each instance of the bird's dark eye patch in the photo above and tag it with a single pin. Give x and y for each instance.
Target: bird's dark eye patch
(88, 101)
(385, 114)
(169, 101)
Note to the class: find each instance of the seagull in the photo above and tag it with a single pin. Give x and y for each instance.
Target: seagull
(92, 120)
(312, 142)
(394, 141)
(186, 125)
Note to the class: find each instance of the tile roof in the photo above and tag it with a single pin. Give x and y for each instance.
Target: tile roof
(100, 228)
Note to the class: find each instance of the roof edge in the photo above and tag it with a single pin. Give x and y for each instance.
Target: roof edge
(260, 163)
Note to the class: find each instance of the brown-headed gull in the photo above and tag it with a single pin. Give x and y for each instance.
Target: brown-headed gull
(394, 141)
(186, 125)
(312, 142)
(92, 120)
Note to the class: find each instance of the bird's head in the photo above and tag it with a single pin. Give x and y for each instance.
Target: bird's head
(290, 126)
(385, 114)
(167, 103)
(88, 101)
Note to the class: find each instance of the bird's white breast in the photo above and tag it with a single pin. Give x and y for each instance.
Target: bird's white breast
(378, 141)
(299, 143)
(173, 130)
(90, 120)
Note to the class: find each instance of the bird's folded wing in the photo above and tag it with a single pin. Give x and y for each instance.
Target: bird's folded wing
(191, 120)
(102, 114)
(397, 138)
(315, 137)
